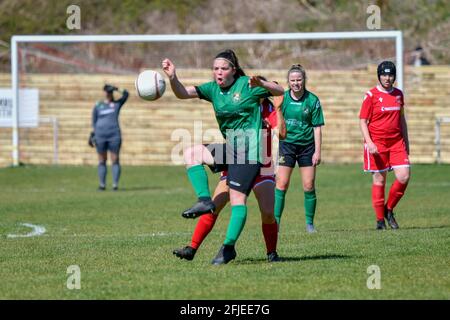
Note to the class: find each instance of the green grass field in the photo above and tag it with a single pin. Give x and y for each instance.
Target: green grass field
(123, 241)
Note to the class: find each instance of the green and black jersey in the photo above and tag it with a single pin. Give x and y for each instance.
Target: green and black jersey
(301, 116)
(238, 113)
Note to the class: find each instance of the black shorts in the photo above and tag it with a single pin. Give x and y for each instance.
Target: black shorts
(112, 145)
(241, 176)
(289, 154)
(218, 151)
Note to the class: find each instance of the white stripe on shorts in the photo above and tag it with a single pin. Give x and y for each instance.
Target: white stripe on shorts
(368, 157)
(383, 170)
(401, 166)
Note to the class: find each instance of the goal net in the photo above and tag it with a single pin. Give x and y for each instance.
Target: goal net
(70, 71)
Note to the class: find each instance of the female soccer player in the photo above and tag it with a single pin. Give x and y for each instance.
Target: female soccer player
(263, 188)
(304, 120)
(235, 98)
(386, 144)
(105, 122)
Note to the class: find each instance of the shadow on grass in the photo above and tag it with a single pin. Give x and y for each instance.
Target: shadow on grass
(424, 228)
(304, 258)
(389, 229)
(140, 189)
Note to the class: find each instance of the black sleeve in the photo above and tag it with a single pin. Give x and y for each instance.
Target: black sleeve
(94, 117)
(123, 99)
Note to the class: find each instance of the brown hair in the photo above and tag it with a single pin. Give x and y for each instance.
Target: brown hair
(231, 57)
(300, 69)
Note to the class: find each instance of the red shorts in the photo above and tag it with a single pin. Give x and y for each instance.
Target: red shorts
(260, 179)
(391, 154)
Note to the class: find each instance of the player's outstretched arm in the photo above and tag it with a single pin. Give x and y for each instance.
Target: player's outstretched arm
(274, 88)
(124, 96)
(180, 91)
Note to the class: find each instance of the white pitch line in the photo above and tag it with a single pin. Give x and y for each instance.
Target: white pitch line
(37, 231)
(163, 234)
(154, 234)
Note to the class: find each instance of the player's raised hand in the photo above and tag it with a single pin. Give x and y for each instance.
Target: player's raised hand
(168, 68)
(255, 81)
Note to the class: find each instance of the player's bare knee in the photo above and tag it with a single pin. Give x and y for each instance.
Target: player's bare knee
(404, 178)
(188, 156)
(379, 179)
(237, 198)
(282, 185)
(308, 186)
(193, 155)
(102, 157)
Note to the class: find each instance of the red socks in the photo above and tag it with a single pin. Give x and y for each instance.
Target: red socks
(206, 223)
(378, 201)
(270, 232)
(396, 193)
(204, 226)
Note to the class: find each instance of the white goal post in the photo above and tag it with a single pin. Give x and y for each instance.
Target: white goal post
(437, 139)
(15, 40)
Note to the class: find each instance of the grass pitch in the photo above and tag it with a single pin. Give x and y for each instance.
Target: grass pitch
(123, 241)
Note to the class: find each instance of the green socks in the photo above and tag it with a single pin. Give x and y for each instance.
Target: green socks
(310, 206)
(279, 204)
(199, 180)
(236, 224)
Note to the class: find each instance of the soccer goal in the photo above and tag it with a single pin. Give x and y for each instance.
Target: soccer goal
(271, 52)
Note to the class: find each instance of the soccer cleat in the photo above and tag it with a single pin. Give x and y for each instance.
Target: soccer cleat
(390, 219)
(381, 225)
(273, 257)
(225, 255)
(115, 188)
(187, 253)
(310, 228)
(198, 209)
(101, 188)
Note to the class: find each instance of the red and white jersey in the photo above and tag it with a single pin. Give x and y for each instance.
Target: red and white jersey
(383, 109)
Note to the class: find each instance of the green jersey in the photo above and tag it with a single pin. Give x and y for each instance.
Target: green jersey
(301, 116)
(238, 113)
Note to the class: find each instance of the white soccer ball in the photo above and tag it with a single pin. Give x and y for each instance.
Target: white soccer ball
(150, 85)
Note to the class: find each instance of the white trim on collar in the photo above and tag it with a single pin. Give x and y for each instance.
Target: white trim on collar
(380, 88)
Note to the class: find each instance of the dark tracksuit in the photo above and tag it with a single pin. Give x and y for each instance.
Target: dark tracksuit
(105, 121)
